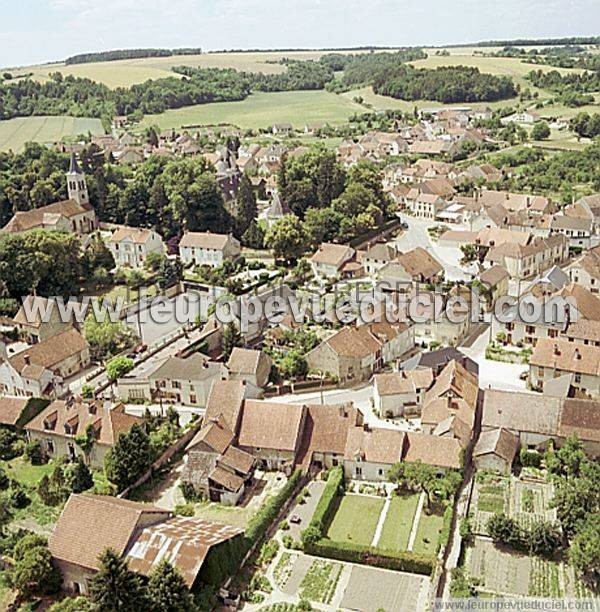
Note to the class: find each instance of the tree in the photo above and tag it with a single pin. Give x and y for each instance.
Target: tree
(245, 206)
(86, 441)
(568, 459)
(115, 588)
(584, 552)
(170, 272)
(540, 131)
(81, 477)
(469, 253)
(167, 590)
(97, 255)
(129, 458)
(293, 365)
(254, 236)
(231, 338)
(87, 391)
(107, 338)
(154, 261)
(287, 237)
(33, 572)
(35, 453)
(322, 225)
(543, 539)
(72, 604)
(117, 367)
(504, 530)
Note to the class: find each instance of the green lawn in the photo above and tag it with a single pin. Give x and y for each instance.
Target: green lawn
(356, 519)
(21, 470)
(14, 133)
(237, 516)
(398, 522)
(261, 110)
(428, 533)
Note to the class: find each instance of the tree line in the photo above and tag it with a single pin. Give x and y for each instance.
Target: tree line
(446, 84)
(120, 54)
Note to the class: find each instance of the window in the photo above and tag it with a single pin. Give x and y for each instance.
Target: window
(176, 384)
(49, 445)
(193, 399)
(358, 470)
(540, 371)
(380, 471)
(577, 378)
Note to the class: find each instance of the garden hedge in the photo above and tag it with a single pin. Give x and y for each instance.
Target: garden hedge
(326, 506)
(262, 520)
(366, 555)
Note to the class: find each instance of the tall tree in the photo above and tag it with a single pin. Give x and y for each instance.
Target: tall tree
(129, 458)
(115, 588)
(245, 207)
(167, 590)
(287, 237)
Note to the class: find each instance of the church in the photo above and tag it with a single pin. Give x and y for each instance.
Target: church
(73, 215)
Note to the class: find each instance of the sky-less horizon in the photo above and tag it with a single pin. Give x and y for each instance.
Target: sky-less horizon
(39, 31)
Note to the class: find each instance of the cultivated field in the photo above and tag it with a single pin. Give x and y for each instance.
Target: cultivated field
(262, 110)
(122, 73)
(14, 133)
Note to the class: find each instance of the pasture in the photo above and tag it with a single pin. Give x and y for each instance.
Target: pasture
(262, 110)
(14, 133)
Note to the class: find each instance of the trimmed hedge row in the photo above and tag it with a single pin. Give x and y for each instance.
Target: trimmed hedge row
(446, 525)
(355, 553)
(262, 520)
(326, 506)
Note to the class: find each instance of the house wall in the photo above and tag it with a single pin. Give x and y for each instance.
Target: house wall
(76, 579)
(587, 383)
(376, 472)
(56, 445)
(274, 459)
(491, 462)
(126, 253)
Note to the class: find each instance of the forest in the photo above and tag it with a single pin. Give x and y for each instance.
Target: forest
(446, 84)
(120, 54)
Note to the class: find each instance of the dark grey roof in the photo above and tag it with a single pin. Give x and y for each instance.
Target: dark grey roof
(74, 166)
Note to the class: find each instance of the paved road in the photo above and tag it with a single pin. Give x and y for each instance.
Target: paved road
(168, 315)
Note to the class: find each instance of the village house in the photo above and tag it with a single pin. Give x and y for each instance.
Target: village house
(521, 117)
(355, 353)
(585, 270)
(11, 409)
(420, 265)
(250, 365)
(377, 256)
(371, 452)
(185, 381)
(523, 261)
(451, 405)
(214, 466)
(553, 322)
(494, 282)
(397, 394)
(578, 231)
(516, 202)
(41, 369)
(43, 322)
(546, 418)
(424, 205)
(130, 246)
(131, 529)
(272, 433)
(327, 262)
(578, 367)
(496, 450)
(325, 435)
(208, 249)
(57, 426)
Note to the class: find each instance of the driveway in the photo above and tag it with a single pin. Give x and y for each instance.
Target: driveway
(306, 510)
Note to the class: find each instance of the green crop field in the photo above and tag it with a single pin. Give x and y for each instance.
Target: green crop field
(262, 110)
(14, 133)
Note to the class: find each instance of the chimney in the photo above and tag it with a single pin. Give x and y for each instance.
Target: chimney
(27, 359)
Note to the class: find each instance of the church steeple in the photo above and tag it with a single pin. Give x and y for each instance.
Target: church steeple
(76, 186)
